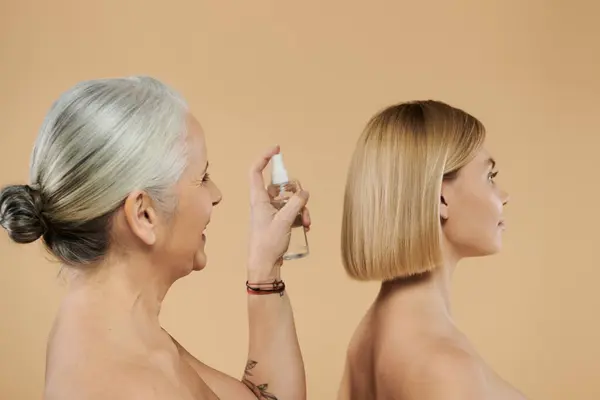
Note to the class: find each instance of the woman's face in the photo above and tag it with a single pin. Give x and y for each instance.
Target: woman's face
(472, 209)
(185, 236)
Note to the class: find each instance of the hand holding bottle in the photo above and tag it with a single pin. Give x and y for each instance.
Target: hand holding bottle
(270, 225)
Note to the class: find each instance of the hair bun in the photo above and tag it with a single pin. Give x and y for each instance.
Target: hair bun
(20, 213)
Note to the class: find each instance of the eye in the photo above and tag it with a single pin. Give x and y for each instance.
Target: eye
(200, 182)
(492, 175)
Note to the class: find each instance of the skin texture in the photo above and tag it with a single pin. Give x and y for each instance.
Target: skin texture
(107, 342)
(408, 347)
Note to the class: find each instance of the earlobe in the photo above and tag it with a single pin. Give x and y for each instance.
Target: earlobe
(141, 217)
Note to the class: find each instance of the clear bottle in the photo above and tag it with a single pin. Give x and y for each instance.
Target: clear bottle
(281, 189)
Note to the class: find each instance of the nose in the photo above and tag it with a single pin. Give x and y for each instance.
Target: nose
(505, 198)
(216, 195)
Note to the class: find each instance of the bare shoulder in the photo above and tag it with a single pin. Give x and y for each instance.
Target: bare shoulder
(445, 372)
(449, 369)
(454, 374)
(119, 382)
(93, 366)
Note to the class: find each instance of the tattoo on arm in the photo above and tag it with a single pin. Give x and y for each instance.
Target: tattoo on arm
(260, 391)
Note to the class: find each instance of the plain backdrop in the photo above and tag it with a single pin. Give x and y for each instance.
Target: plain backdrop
(307, 75)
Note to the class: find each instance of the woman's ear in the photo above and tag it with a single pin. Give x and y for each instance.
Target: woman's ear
(443, 208)
(141, 216)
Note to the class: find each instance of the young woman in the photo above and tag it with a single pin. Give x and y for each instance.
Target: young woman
(120, 193)
(420, 196)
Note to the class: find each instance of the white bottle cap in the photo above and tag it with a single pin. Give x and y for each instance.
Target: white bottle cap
(278, 172)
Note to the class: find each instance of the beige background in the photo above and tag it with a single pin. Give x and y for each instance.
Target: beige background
(307, 75)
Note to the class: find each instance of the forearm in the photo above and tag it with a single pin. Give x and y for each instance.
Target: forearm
(275, 368)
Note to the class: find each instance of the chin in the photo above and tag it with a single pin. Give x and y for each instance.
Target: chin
(199, 262)
(482, 250)
(492, 250)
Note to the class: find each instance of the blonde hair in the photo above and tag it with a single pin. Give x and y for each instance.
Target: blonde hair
(100, 140)
(391, 224)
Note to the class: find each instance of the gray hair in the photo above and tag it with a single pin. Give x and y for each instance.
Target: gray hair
(101, 140)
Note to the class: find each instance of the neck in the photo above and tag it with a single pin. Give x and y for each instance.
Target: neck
(132, 289)
(430, 291)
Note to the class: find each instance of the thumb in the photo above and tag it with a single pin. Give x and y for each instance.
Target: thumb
(290, 211)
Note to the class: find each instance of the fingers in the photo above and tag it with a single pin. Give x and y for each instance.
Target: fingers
(273, 191)
(306, 218)
(294, 205)
(257, 185)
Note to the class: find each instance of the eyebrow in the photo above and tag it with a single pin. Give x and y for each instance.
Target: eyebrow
(205, 168)
(490, 161)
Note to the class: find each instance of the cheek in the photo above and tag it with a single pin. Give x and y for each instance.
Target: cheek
(488, 210)
(202, 207)
(494, 202)
(195, 211)
(475, 213)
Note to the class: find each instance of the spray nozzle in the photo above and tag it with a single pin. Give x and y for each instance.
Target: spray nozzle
(278, 172)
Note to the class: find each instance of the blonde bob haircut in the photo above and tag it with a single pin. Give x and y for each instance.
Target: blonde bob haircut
(391, 226)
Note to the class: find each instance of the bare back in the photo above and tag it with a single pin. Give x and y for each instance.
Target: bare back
(403, 356)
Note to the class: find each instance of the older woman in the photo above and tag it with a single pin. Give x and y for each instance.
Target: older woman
(421, 195)
(120, 193)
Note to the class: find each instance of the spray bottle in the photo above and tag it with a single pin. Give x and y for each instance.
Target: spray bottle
(281, 189)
